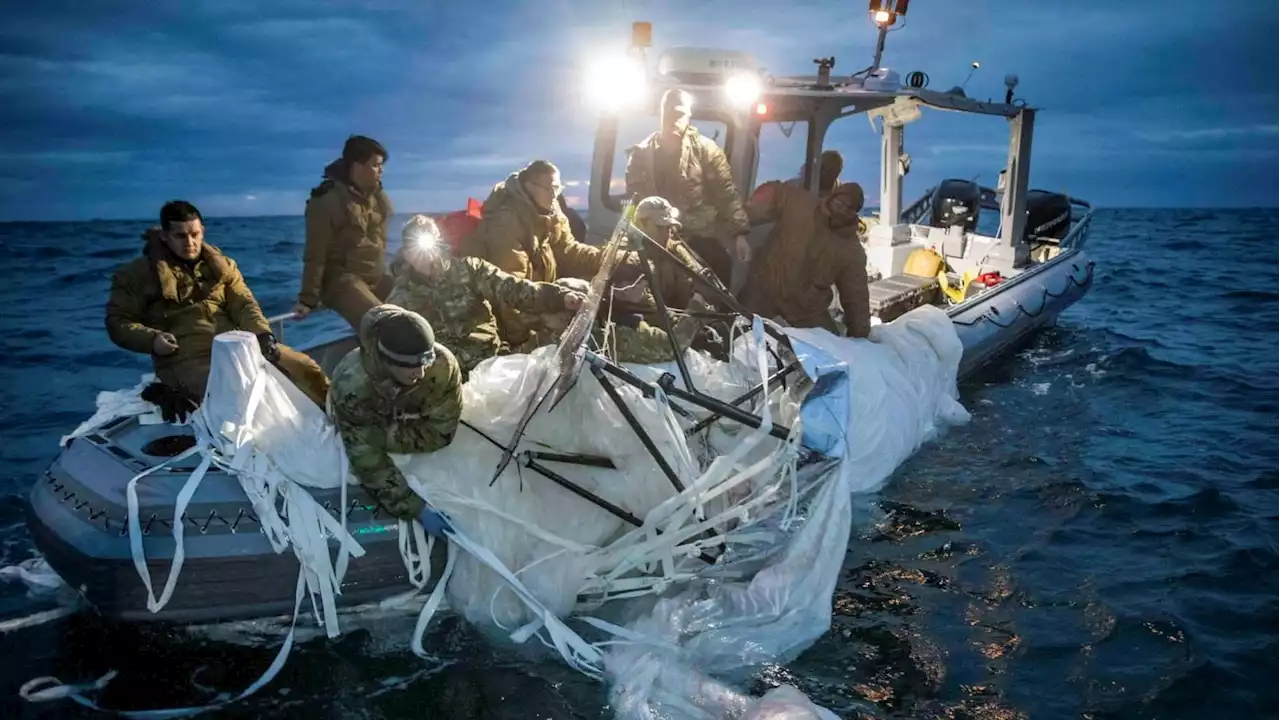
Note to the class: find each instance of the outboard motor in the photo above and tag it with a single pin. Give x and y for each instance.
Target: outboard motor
(1048, 215)
(956, 202)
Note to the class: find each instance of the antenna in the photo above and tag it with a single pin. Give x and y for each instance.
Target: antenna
(1010, 82)
(824, 72)
(972, 67)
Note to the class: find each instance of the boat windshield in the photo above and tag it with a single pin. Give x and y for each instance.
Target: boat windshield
(781, 151)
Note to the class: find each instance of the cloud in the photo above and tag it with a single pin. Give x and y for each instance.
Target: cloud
(1208, 134)
(110, 107)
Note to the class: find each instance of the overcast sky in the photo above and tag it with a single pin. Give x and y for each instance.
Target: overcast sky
(111, 108)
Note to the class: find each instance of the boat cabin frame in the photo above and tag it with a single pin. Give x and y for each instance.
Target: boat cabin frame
(820, 101)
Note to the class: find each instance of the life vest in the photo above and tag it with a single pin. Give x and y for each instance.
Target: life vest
(457, 225)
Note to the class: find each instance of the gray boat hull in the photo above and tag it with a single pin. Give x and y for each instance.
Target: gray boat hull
(77, 511)
(991, 324)
(78, 519)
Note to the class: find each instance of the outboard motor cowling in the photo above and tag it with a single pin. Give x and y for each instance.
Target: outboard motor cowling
(1048, 215)
(956, 202)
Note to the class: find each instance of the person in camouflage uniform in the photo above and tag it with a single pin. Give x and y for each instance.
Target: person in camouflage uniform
(399, 392)
(458, 296)
(689, 170)
(172, 301)
(621, 328)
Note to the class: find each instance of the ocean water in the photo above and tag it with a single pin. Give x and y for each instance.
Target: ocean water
(1099, 542)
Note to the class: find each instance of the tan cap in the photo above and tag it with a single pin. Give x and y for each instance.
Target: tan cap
(657, 211)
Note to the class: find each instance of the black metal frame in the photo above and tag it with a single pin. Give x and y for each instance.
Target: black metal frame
(603, 369)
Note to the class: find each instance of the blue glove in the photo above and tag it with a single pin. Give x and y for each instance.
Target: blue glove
(435, 523)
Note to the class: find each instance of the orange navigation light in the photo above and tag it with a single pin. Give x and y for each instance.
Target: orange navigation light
(641, 34)
(885, 12)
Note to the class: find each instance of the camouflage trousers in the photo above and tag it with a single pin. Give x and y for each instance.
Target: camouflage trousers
(644, 344)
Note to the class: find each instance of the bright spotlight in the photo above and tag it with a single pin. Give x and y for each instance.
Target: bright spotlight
(882, 17)
(615, 83)
(424, 240)
(743, 89)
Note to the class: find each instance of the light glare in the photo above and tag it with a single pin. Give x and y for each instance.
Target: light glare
(615, 83)
(743, 89)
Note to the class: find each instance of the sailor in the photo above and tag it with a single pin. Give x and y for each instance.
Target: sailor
(577, 226)
(813, 245)
(524, 233)
(660, 220)
(347, 217)
(458, 295)
(623, 328)
(830, 165)
(691, 172)
(399, 392)
(172, 301)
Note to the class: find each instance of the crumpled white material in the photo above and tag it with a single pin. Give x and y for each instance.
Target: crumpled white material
(528, 553)
(546, 546)
(112, 404)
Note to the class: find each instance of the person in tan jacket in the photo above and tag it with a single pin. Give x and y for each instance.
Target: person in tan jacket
(813, 245)
(343, 264)
(691, 172)
(524, 233)
(171, 302)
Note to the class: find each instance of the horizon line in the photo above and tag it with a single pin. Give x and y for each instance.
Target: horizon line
(443, 212)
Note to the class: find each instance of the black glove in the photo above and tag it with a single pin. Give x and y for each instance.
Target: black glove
(713, 341)
(269, 347)
(175, 404)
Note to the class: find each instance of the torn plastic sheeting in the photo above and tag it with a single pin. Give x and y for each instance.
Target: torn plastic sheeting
(824, 414)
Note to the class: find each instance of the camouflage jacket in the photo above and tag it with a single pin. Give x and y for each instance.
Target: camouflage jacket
(377, 416)
(802, 258)
(702, 187)
(346, 234)
(460, 301)
(158, 293)
(529, 244)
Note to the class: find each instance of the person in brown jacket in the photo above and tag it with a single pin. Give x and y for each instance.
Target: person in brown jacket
(813, 245)
(172, 301)
(343, 264)
(524, 232)
(691, 172)
(830, 165)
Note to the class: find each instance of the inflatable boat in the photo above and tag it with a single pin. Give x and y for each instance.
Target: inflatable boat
(717, 483)
(997, 289)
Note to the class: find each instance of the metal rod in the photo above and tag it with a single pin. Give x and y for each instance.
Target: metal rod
(572, 459)
(599, 371)
(599, 366)
(663, 318)
(598, 501)
(667, 383)
(587, 495)
(875, 65)
(712, 291)
(748, 395)
(483, 434)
